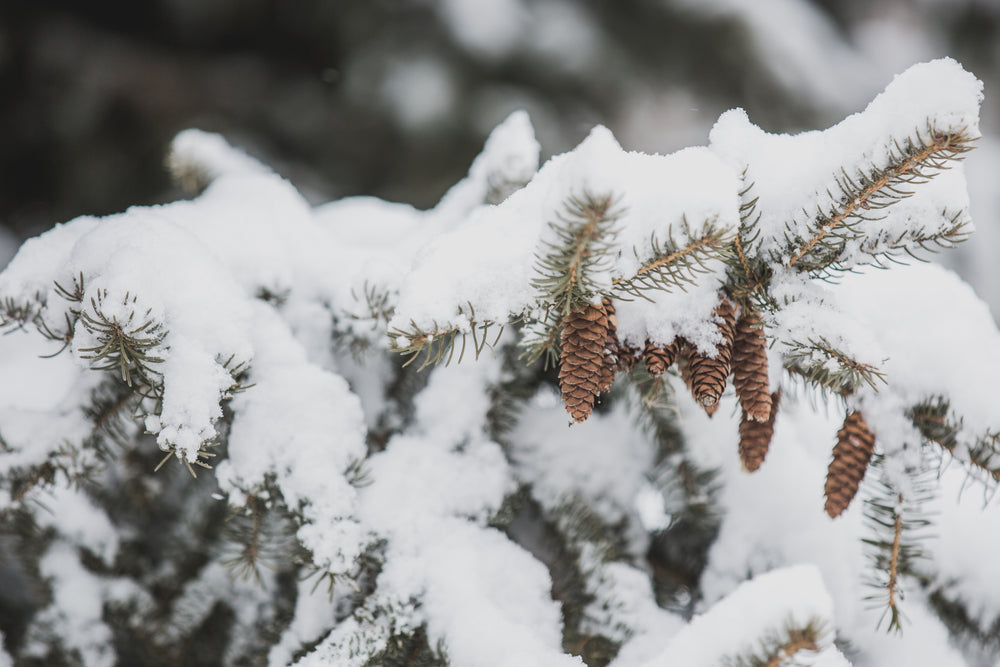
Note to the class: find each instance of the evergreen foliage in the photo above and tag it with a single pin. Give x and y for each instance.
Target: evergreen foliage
(373, 507)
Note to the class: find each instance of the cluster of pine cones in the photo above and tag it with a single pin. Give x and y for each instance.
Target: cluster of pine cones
(591, 355)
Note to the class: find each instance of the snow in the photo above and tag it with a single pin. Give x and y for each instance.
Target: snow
(75, 517)
(793, 174)
(563, 464)
(487, 265)
(792, 596)
(77, 607)
(425, 498)
(933, 302)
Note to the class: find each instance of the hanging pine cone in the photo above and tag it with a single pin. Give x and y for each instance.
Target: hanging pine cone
(582, 359)
(708, 374)
(659, 358)
(626, 357)
(685, 351)
(606, 378)
(851, 454)
(755, 436)
(750, 367)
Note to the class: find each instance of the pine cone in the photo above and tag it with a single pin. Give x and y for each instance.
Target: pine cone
(851, 454)
(582, 359)
(659, 358)
(755, 436)
(606, 377)
(708, 374)
(626, 358)
(750, 367)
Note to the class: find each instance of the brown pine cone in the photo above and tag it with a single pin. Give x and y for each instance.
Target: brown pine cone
(626, 358)
(659, 358)
(582, 359)
(708, 374)
(750, 367)
(606, 378)
(851, 455)
(755, 436)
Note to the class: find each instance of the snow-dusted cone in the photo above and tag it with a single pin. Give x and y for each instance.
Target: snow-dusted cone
(851, 454)
(582, 359)
(626, 357)
(755, 436)
(606, 377)
(659, 358)
(750, 367)
(708, 374)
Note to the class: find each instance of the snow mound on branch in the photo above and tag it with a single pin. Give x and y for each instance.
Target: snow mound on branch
(793, 596)
(488, 263)
(795, 175)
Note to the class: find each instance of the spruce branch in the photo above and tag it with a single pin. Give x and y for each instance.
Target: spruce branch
(882, 247)
(585, 232)
(123, 346)
(113, 412)
(780, 648)
(826, 367)
(16, 314)
(936, 422)
(540, 340)
(747, 273)
(203, 456)
(896, 523)
(260, 534)
(437, 345)
(914, 161)
(673, 265)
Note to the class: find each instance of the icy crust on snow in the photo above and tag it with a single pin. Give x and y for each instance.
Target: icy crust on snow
(487, 265)
(789, 596)
(795, 175)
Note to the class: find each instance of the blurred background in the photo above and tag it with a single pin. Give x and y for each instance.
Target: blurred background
(394, 98)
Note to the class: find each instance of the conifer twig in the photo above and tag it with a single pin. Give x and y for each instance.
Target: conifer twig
(909, 165)
(673, 265)
(584, 232)
(437, 345)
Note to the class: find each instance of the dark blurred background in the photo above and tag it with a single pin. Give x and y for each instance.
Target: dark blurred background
(394, 98)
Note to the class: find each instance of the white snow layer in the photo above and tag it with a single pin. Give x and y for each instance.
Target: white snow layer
(486, 266)
(793, 596)
(197, 267)
(795, 175)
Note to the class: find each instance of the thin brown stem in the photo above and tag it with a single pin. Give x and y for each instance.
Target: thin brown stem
(941, 143)
(894, 558)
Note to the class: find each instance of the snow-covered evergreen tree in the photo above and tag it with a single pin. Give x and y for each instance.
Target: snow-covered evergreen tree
(268, 433)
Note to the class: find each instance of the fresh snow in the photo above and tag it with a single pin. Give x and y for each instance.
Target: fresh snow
(248, 272)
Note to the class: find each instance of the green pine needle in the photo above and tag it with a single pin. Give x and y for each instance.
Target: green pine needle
(861, 196)
(585, 233)
(673, 265)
